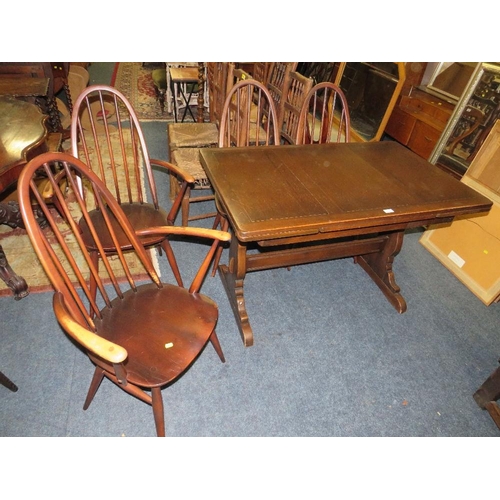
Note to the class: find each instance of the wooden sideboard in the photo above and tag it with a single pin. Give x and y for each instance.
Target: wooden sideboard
(418, 120)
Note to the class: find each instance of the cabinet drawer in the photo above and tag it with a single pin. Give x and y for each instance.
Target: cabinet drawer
(423, 139)
(400, 126)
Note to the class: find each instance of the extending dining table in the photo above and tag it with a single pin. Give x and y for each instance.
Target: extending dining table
(303, 204)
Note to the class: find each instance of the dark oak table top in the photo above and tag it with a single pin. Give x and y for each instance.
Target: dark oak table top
(274, 192)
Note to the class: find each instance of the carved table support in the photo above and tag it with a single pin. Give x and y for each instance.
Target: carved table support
(379, 268)
(232, 278)
(10, 215)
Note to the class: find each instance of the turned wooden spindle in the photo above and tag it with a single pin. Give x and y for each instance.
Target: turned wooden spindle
(201, 89)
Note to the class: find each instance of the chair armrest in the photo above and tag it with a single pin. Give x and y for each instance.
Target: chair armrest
(198, 232)
(178, 172)
(103, 348)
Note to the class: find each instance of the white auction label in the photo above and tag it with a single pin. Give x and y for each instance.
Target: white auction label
(456, 259)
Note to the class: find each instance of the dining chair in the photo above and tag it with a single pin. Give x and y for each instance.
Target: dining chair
(298, 88)
(140, 333)
(260, 71)
(185, 140)
(238, 129)
(324, 116)
(278, 80)
(117, 152)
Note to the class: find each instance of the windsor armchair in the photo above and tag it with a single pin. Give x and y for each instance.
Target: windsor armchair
(141, 336)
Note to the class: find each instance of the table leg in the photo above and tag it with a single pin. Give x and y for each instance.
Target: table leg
(379, 268)
(15, 282)
(232, 278)
(487, 395)
(11, 215)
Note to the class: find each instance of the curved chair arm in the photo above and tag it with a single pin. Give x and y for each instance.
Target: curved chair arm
(198, 232)
(178, 172)
(103, 348)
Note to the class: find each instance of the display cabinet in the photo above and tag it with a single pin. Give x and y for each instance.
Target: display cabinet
(474, 115)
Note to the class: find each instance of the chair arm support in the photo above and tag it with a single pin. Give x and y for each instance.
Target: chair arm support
(103, 348)
(186, 231)
(173, 169)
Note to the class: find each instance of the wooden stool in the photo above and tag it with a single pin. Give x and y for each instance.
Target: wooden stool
(181, 79)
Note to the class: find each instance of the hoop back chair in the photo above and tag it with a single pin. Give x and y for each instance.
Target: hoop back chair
(324, 116)
(298, 88)
(111, 143)
(238, 129)
(249, 116)
(140, 336)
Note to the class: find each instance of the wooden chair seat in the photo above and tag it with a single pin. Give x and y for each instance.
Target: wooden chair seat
(169, 341)
(141, 216)
(192, 135)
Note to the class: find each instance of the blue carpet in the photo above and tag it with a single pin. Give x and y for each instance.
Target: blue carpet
(331, 358)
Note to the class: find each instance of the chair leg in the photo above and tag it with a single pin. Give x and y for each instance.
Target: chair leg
(158, 411)
(185, 207)
(216, 344)
(5, 381)
(224, 225)
(94, 385)
(92, 282)
(172, 261)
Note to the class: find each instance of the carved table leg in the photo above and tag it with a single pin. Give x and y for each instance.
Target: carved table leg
(10, 215)
(15, 282)
(379, 268)
(232, 278)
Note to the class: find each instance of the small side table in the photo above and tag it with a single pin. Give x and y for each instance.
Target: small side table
(179, 79)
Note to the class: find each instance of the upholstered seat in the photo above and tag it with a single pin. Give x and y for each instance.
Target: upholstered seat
(189, 158)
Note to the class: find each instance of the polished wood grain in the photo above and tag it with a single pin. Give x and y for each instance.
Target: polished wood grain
(318, 202)
(22, 136)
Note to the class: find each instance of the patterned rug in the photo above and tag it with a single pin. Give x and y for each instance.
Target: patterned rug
(134, 80)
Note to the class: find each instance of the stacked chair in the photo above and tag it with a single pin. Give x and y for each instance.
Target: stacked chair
(298, 87)
(278, 81)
